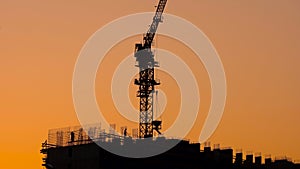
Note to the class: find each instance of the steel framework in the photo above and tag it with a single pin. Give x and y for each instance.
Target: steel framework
(146, 82)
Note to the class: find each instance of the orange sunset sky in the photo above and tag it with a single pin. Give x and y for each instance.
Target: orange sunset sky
(257, 40)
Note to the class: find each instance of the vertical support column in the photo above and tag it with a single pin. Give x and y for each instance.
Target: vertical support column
(146, 83)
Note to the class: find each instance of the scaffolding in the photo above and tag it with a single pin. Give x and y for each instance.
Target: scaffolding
(72, 136)
(77, 135)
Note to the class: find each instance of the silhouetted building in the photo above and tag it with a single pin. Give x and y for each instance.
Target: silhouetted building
(72, 148)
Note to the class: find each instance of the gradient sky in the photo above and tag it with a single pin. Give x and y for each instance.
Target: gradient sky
(257, 40)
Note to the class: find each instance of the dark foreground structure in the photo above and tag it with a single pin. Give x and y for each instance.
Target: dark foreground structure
(71, 148)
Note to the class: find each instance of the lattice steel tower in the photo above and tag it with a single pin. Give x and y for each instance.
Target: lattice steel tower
(146, 82)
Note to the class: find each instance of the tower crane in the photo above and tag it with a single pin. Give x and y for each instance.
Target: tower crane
(146, 82)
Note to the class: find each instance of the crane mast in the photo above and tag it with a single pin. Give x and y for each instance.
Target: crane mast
(146, 81)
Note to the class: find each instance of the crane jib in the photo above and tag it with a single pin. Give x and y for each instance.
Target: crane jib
(148, 39)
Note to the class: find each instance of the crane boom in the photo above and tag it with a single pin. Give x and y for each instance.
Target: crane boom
(146, 82)
(148, 39)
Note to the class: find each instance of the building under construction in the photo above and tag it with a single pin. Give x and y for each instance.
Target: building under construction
(76, 148)
(73, 148)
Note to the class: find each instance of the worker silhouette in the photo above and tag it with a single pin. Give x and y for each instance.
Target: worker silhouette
(125, 132)
(72, 136)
